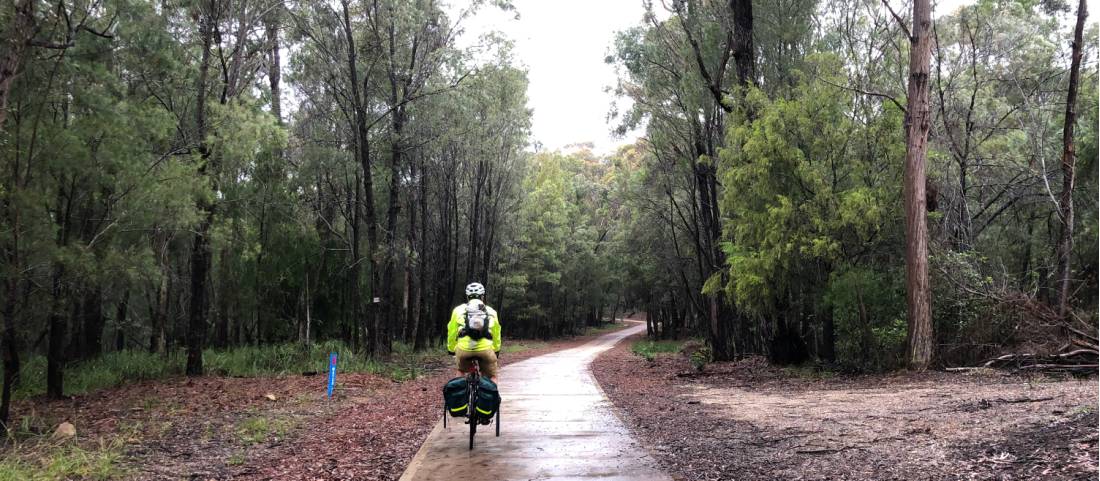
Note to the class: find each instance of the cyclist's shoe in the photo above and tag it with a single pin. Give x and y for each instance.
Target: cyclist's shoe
(485, 421)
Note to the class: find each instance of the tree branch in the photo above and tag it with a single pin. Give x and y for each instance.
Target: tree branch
(901, 23)
(865, 92)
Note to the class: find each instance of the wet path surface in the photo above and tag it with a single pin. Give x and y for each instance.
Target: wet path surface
(556, 424)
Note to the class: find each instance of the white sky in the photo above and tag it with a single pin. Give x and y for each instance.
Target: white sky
(563, 43)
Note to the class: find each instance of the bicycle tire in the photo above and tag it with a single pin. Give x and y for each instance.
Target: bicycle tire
(473, 414)
(473, 417)
(498, 422)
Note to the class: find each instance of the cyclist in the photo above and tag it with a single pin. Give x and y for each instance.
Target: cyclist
(467, 344)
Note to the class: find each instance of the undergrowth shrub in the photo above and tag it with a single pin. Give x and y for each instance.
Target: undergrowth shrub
(649, 349)
(967, 322)
(43, 460)
(120, 367)
(868, 309)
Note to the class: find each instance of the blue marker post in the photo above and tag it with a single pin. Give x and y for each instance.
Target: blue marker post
(331, 374)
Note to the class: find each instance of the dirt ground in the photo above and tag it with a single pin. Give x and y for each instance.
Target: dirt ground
(214, 428)
(748, 420)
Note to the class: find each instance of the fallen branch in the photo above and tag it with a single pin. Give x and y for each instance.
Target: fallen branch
(1060, 367)
(1079, 352)
(1082, 334)
(1023, 400)
(826, 450)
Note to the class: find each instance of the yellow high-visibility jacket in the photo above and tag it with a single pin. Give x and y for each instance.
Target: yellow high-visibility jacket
(458, 321)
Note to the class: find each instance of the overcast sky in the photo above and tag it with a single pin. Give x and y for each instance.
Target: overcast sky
(563, 43)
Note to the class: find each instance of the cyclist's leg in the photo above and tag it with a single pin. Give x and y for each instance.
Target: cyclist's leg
(489, 365)
(463, 361)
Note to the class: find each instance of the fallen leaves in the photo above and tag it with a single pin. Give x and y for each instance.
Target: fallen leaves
(748, 420)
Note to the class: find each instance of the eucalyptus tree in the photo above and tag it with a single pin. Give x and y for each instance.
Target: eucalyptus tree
(681, 106)
(1064, 249)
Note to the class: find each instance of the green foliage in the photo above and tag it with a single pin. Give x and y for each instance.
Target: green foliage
(258, 429)
(650, 349)
(968, 323)
(781, 199)
(46, 461)
(236, 459)
(563, 267)
(520, 345)
(120, 367)
(868, 309)
(808, 372)
(798, 192)
(111, 369)
(701, 357)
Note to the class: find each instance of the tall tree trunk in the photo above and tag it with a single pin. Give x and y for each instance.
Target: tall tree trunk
(276, 174)
(10, 349)
(221, 299)
(388, 309)
(412, 261)
(159, 342)
(93, 322)
(358, 329)
(274, 72)
(122, 310)
(363, 153)
(19, 34)
(13, 284)
(55, 351)
(744, 53)
(917, 122)
(197, 315)
(1064, 249)
(309, 313)
(200, 247)
(828, 334)
(420, 338)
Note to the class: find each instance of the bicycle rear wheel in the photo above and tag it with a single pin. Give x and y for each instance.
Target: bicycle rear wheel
(473, 418)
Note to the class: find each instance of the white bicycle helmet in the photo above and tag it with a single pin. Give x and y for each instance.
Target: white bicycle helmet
(475, 289)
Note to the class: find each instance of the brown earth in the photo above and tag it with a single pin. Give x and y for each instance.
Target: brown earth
(228, 428)
(748, 420)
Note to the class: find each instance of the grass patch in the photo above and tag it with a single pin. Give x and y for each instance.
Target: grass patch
(808, 371)
(604, 328)
(650, 349)
(521, 345)
(117, 368)
(1083, 409)
(110, 369)
(236, 459)
(40, 460)
(258, 428)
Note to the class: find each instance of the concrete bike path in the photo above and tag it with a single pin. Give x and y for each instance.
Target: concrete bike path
(556, 424)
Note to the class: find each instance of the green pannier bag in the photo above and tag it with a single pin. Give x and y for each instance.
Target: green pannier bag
(456, 396)
(488, 399)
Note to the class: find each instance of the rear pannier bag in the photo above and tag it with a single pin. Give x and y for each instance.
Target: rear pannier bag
(488, 399)
(456, 396)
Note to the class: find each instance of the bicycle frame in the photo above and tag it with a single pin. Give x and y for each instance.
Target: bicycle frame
(473, 381)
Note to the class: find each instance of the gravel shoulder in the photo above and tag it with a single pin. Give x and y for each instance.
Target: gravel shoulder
(748, 420)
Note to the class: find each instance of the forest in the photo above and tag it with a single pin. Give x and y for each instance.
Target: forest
(816, 182)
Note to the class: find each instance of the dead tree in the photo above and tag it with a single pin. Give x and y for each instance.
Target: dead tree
(1064, 249)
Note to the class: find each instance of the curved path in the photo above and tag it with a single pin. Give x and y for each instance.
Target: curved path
(556, 424)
